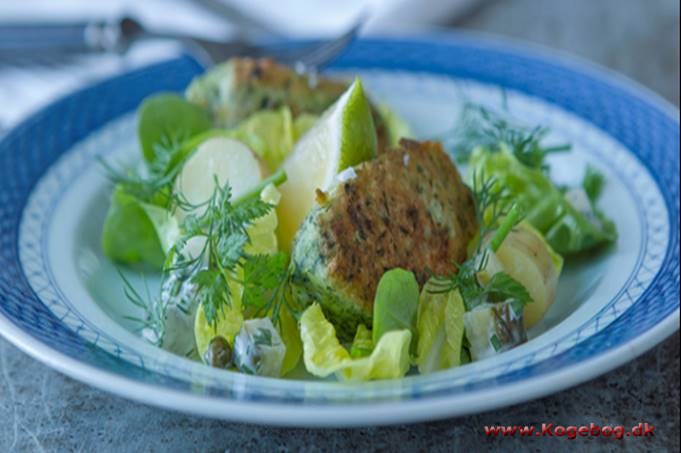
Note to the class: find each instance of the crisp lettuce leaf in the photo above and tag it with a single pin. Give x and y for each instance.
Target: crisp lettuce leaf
(136, 232)
(228, 324)
(566, 229)
(303, 123)
(271, 134)
(324, 355)
(440, 330)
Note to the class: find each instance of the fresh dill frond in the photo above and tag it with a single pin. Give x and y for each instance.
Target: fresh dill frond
(153, 319)
(154, 188)
(492, 203)
(479, 126)
(497, 216)
(222, 225)
(155, 184)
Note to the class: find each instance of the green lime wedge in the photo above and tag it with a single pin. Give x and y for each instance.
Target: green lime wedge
(344, 136)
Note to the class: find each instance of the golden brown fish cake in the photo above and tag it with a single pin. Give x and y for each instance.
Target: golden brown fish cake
(407, 208)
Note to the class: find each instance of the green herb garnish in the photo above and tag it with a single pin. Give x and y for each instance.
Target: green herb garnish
(495, 220)
(593, 183)
(481, 127)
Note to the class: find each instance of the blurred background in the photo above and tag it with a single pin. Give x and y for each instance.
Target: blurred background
(40, 408)
(31, 78)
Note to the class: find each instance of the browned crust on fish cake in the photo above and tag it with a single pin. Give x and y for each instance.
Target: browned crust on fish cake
(268, 74)
(407, 208)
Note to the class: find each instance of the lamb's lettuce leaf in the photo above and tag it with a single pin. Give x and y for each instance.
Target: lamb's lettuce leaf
(165, 121)
(395, 303)
(567, 229)
(324, 355)
(137, 232)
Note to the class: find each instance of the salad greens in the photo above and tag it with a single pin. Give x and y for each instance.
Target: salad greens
(166, 121)
(324, 355)
(226, 281)
(567, 229)
(362, 345)
(440, 330)
(395, 303)
(271, 134)
(479, 127)
(135, 231)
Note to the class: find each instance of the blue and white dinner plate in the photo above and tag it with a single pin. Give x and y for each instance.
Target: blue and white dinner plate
(61, 301)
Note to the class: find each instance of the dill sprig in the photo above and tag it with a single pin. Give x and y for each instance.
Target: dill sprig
(482, 127)
(223, 226)
(496, 217)
(155, 186)
(154, 312)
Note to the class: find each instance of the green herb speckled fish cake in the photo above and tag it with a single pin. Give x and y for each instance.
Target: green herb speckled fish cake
(234, 90)
(407, 208)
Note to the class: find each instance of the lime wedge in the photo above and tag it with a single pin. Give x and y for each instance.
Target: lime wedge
(344, 136)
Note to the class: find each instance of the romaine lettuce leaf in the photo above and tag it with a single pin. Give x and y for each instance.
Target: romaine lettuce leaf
(565, 228)
(271, 134)
(440, 330)
(290, 335)
(324, 355)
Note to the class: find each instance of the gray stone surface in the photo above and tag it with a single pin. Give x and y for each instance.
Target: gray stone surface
(42, 410)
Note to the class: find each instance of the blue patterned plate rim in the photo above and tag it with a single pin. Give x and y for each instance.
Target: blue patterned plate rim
(37, 332)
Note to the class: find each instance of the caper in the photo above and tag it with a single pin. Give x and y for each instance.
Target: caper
(218, 354)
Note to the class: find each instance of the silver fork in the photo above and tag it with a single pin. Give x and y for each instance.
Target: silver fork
(118, 36)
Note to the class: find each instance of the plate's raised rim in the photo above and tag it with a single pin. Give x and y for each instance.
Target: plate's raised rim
(383, 413)
(342, 415)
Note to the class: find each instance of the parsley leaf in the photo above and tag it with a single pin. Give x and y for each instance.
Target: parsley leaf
(502, 287)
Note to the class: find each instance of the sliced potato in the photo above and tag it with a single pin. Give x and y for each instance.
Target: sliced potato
(528, 258)
(223, 158)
